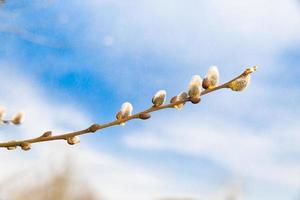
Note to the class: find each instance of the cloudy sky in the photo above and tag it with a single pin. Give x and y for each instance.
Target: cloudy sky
(67, 64)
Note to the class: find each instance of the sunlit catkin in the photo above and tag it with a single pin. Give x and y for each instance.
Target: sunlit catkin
(240, 84)
(126, 111)
(211, 79)
(159, 98)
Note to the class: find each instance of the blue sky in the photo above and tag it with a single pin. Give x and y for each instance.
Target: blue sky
(68, 64)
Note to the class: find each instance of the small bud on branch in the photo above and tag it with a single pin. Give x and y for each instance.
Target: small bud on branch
(73, 140)
(26, 146)
(144, 116)
(47, 134)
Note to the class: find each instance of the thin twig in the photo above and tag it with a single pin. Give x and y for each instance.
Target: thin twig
(3, 121)
(96, 127)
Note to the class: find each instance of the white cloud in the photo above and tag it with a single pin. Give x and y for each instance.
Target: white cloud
(243, 150)
(185, 37)
(197, 30)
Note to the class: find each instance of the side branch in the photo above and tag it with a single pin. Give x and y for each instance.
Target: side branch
(69, 137)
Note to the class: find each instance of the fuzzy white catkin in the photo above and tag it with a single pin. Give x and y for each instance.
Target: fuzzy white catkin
(126, 109)
(213, 76)
(159, 98)
(18, 118)
(195, 86)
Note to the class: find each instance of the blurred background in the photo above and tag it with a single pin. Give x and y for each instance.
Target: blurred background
(70, 63)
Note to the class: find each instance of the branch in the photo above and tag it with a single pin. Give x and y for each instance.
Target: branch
(236, 84)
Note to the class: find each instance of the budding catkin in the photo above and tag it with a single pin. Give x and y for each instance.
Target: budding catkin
(211, 79)
(73, 140)
(159, 98)
(240, 83)
(195, 86)
(25, 146)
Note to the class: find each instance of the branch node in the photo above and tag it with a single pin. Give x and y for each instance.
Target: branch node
(47, 134)
(94, 128)
(144, 116)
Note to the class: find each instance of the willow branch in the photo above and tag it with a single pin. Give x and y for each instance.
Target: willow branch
(47, 136)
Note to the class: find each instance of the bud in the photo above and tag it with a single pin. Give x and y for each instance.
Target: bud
(195, 100)
(144, 116)
(47, 134)
(25, 146)
(173, 99)
(180, 97)
(73, 140)
(240, 83)
(159, 98)
(11, 148)
(18, 118)
(93, 128)
(126, 111)
(211, 79)
(194, 86)
(2, 112)
(119, 115)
